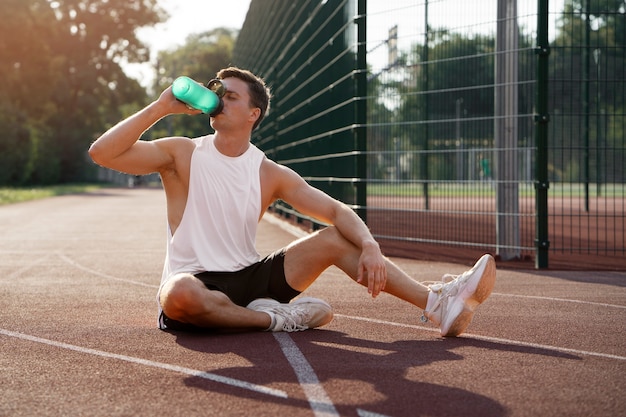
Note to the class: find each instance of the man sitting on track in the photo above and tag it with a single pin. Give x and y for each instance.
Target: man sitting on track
(217, 189)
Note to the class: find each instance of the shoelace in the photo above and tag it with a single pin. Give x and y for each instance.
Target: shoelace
(438, 286)
(291, 315)
(445, 278)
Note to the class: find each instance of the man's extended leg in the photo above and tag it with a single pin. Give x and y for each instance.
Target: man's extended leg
(450, 303)
(307, 258)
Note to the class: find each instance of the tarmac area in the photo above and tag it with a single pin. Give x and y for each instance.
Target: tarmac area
(78, 336)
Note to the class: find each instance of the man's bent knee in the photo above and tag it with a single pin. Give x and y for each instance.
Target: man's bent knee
(334, 241)
(181, 296)
(326, 246)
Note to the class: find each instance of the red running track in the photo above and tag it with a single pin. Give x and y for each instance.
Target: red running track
(78, 278)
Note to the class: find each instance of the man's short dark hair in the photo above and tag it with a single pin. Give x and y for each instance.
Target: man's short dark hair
(259, 92)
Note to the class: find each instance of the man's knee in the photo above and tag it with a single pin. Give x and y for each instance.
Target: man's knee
(335, 241)
(327, 246)
(181, 296)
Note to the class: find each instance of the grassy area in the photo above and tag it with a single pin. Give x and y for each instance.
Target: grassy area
(10, 195)
(441, 189)
(488, 189)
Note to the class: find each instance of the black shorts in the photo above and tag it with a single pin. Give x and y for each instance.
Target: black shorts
(263, 279)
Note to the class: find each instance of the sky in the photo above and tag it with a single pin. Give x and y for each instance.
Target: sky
(186, 17)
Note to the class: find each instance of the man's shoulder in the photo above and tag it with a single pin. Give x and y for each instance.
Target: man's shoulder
(271, 167)
(277, 173)
(175, 141)
(177, 146)
(200, 140)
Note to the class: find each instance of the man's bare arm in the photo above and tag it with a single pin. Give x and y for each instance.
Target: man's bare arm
(317, 204)
(120, 148)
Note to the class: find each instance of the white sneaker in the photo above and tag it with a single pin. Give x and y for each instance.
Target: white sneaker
(301, 314)
(452, 301)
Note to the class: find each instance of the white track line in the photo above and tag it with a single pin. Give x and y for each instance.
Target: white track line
(563, 300)
(25, 268)
(188, 371)
(365, 413)
(287, 227)
(102, 275)
(534, 297)
(319, 400)
(546, 347)
(297, 232)
(491, 339)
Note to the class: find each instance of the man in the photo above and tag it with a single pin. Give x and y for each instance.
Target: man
(217, 189)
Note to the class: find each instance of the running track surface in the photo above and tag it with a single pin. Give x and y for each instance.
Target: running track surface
(78, 334)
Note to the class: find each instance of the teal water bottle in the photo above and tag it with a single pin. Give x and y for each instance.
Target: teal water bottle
(197, 96)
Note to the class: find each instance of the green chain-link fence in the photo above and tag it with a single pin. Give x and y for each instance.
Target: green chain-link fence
(307, 52)
(454, 127)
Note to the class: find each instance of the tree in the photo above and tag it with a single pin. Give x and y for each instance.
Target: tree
(607, 33)
(604, 53)
(458, 71)
(23, 60)
(62, 83)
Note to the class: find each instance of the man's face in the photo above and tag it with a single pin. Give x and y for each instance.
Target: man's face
(237, 111)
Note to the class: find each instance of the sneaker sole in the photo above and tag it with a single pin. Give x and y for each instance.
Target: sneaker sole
(467, 303)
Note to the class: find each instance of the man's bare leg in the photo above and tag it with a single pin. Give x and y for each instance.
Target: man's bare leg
(450, 305)
(307, 258)
(185, 298)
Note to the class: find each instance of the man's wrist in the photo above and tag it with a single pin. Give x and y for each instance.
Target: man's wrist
(370, 244)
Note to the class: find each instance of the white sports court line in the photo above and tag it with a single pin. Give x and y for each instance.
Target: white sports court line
(103, 275)
(319, 400)
(18, 272)
(320, 403)
(299, 233)
(145, 362)
(364, 413)
(492, 339)
(294, 230)
(563, 300)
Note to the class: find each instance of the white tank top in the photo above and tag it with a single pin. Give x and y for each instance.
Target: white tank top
(218, 228)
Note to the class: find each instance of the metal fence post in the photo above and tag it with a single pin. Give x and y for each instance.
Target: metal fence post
(586, 65)
(506, 131)
(426, 88)
(361, 110)
(541, 136)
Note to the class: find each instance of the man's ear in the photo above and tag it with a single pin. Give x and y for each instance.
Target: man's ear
(255, 114)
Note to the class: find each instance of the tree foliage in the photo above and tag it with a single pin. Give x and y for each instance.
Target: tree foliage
(61, 82)
(456, 72)
(587, 69)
